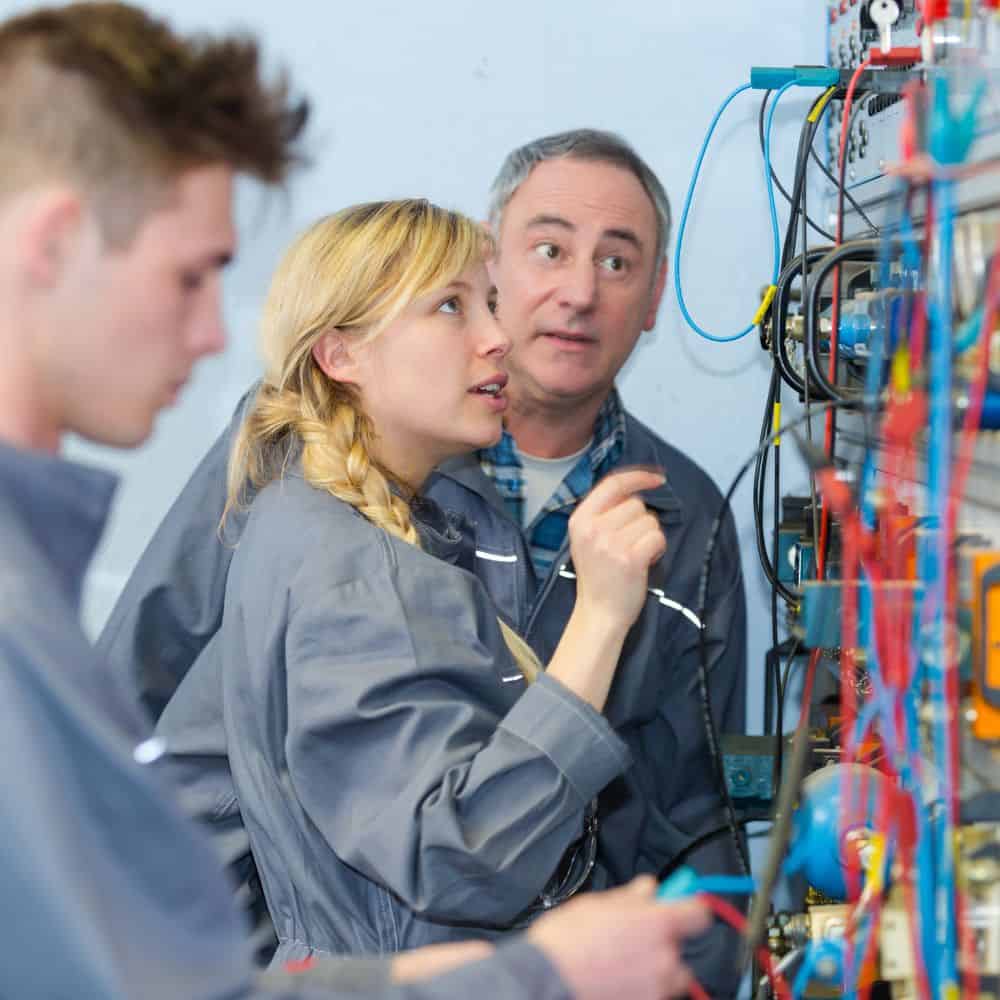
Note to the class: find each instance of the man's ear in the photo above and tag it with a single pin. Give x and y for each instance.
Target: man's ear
(334, 358)
(50, 235)
(654, 300)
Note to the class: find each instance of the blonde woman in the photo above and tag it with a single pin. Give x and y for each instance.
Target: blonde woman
(406, 771)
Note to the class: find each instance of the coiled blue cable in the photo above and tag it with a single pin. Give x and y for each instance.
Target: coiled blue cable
(688, 318)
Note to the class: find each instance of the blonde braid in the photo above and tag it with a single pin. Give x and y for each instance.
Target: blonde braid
(336, 458)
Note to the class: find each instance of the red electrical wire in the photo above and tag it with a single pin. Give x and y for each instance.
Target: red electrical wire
(733, 917)
(835, 313)
(696, 991)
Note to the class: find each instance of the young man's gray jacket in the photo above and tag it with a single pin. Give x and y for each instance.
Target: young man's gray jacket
(668, 799)
(109, 891)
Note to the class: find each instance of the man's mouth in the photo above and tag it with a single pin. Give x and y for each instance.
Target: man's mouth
(569, 337)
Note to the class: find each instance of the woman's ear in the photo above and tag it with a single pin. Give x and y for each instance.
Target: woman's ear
(334, 357)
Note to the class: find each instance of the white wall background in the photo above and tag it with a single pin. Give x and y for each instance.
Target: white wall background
(426, 99)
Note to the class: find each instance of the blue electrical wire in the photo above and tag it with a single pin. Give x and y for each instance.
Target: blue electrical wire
(769, 180)
(968, 333)
(939, 481)
(688, 318)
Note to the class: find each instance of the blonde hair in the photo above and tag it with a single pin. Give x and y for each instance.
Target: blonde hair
(354, 271)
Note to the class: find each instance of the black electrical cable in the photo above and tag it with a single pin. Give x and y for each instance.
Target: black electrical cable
(857, 250)
(774, 177)
(706, 838)
(804, 292)
(873, 229)
(778, 314)
(776, 517)
(788, 595)
(711, 731)
(786, 674)
(806, 135)
(779, 320)
(782, 686)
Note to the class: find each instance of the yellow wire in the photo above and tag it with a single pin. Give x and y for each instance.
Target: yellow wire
(758, 316)
(821, 104)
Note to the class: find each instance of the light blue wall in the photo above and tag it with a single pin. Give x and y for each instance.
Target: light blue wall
(426, 99)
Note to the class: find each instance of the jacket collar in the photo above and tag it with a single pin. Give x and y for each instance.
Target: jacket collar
(62, 506)
(639, 450)
(447, 535)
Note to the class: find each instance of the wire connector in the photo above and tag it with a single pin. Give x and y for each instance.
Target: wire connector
(758, 316)
(900, 55)
(775, 77)
(687, 882)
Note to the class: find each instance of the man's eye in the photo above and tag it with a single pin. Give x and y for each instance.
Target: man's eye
(451, 306)
(547, 250)
(613, 263)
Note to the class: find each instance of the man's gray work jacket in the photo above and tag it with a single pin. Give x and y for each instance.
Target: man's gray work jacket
(399, 783)
(109, 892)
(669, 797)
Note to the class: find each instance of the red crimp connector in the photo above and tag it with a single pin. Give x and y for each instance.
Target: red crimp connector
(902, 55)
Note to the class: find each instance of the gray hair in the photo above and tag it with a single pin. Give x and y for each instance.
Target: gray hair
(590, 145)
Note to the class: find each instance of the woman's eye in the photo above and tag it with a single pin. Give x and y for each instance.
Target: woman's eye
(451, 306)
(613, 263)
(491, 304)
(547, 250)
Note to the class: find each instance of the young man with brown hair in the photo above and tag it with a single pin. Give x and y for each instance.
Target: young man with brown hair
(119, 141)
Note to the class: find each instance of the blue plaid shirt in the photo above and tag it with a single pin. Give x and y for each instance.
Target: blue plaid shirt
(547, 532)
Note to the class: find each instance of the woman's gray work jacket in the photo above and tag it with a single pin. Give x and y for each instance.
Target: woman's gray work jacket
(399, 783)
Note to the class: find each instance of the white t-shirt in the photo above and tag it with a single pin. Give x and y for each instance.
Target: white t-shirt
(541, 478)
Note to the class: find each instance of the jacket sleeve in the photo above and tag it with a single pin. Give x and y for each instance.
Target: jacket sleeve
(514, 971)
(107, 891)
(172, 603)
(460, 807)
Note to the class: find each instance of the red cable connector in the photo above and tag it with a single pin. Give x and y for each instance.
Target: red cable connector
(901, 55)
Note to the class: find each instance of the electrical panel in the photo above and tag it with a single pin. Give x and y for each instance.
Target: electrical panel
(881, 320)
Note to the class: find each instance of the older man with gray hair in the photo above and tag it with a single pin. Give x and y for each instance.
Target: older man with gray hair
(582, 227)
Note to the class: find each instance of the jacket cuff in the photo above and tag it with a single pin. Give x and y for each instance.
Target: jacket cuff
(514, 971)
(330, 974)
(576, 738)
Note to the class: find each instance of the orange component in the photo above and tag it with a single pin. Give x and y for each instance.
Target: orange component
(986, 644)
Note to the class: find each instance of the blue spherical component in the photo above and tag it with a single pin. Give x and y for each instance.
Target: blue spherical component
(822, 849)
